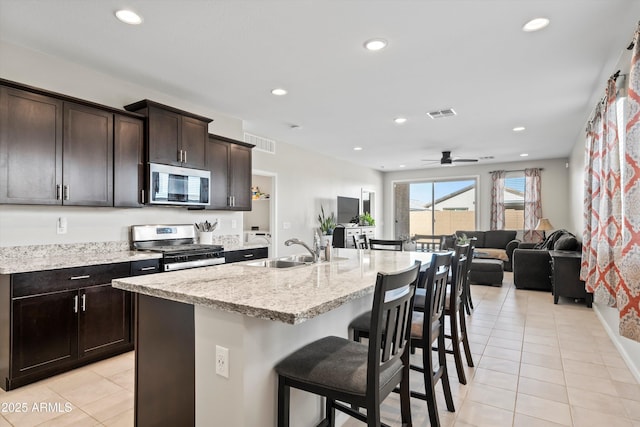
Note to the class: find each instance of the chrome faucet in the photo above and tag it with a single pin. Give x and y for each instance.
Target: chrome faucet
(315, 254)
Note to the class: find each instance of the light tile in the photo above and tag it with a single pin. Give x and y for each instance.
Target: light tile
(75, 418)
(496, 379)
(586, 382)
(480, 415)
(554, 362)
(505, 343)
(541, 349)
(589, 417)
(90, 392)
(627, 390)
(541, 373)
(543, 389)
(591, 369)
(632, 407)
(500, 365)
(493, 396)
(110, 406)
(621, 374)
(502, 353)
(521, 420)
(595, 400)
(545, 409)
(125, 419)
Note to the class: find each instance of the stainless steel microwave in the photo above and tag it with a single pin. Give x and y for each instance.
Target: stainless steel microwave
(173, 185)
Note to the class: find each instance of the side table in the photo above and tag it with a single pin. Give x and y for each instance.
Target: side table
(565, 276)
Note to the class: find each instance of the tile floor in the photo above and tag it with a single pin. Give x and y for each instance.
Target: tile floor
(537, 364)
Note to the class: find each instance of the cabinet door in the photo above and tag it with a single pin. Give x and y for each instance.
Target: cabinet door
(164, 136)
(128, 161)
(30, 148)
(240, 177)
(105, 319)
(45, 332)
(217, 162)
(87, 156)
(193, 141)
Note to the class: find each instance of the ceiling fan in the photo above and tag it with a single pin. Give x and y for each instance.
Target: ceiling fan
(448, 160)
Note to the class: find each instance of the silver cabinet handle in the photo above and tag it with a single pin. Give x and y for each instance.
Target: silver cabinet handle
(58, 191)
(66, 192)
(75, 304)
(148, 268)
(84, 302)
(86, 276)
(249, 255)
(141, 196)
(185, 156)
(180, 155)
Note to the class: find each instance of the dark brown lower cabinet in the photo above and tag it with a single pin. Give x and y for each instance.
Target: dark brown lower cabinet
(45, 333)
(53, 321)
(105, 320)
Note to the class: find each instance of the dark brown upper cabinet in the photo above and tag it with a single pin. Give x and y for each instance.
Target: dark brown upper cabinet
(59, 150)
(87, 160)
(30, 148)
(128, 161)
(230, 164)
(174, 137)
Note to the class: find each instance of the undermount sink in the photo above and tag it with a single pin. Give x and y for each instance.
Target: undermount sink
(298, 258)
(274, 263)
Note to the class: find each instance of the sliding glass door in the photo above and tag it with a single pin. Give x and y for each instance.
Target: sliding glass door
(434, 208)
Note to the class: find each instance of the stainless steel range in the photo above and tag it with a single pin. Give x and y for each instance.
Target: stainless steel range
(177, 244)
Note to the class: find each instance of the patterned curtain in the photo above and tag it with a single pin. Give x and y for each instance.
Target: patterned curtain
(628, 296)
(604, 283)
(532, 205)
(593, 167)
(497, 200)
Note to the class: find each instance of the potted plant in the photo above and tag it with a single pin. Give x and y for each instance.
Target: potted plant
(366, 219)
(327, 223)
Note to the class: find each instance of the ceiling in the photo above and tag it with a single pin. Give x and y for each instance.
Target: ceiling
(469, 55)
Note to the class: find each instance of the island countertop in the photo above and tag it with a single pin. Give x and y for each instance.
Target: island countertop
(289, 295)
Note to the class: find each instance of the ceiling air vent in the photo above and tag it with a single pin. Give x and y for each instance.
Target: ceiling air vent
(261, 144)
(439, 114)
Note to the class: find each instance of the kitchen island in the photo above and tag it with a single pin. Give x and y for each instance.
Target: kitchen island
(260, 315)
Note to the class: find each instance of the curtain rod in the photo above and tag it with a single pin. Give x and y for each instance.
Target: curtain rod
(517, 170)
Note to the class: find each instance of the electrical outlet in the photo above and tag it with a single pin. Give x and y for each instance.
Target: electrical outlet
(234, 223)
(61, 225)
(222, 361)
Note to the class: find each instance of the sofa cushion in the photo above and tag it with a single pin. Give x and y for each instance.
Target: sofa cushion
(479, 235)
(498, 238)
(566, 243)
(491, 253)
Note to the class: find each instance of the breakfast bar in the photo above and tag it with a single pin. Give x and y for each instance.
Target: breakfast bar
(260, 315)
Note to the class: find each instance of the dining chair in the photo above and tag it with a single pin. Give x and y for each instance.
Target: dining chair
(360, 242)
(349, 372)
(427, 334)
(385, 245)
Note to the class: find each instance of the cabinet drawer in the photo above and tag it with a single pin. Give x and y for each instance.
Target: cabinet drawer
(147, 266)
(246, 255)
(41, 282)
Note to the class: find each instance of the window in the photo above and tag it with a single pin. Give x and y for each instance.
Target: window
(431, 208)
(514, 201)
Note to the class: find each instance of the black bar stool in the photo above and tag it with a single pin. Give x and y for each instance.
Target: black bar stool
(351, 372)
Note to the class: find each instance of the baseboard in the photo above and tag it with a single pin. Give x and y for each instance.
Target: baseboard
(632, 364)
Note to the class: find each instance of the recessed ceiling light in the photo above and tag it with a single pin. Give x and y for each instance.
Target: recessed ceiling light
(128, 17)
(403, 166)
(400, 120)
(278, 91)
(518, 128)
(375, 44)
(535, 24)
(357, 148)
(524, 155)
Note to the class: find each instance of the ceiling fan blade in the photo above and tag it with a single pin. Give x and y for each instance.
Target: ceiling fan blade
(464, 160)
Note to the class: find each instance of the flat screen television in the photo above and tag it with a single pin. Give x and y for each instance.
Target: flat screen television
(348, 210)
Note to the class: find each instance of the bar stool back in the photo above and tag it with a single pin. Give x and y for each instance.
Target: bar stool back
(354, 373)
(360, 242)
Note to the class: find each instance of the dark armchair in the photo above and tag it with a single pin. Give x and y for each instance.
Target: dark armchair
(532, 262)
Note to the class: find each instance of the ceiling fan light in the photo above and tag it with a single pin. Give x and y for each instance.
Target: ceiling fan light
(375, 44)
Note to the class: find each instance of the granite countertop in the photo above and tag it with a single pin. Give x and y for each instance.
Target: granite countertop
(290, 295)
(23, 259)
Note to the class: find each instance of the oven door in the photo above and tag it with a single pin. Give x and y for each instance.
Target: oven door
(171, 185)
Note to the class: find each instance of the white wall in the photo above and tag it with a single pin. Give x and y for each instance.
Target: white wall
(554, 188)
(306, 180)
